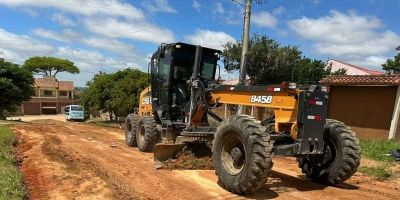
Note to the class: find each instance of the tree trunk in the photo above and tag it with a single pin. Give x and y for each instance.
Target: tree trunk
(2, 112)
(111, 115)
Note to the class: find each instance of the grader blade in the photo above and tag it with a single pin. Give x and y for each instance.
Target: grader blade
(163, 152)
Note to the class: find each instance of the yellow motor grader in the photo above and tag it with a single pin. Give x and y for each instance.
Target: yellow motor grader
(175, 112)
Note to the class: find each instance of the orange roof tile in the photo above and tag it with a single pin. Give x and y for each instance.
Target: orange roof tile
(53, 83)
(362, 80)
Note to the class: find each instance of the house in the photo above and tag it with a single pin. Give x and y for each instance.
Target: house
(370, 104)
(51, 97)
(351, 69)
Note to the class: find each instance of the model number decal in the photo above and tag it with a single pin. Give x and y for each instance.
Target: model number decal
(146, 100)
(261, 99)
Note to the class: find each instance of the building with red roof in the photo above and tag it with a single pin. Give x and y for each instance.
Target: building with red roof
(51, 96)
(370, 104)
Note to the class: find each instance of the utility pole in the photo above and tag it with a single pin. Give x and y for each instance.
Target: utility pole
(245, 43)
(245, 48)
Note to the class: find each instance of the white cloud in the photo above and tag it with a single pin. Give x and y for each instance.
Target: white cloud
(136, 30)
(90, 60)
(111, 45)
(348, 36)
(196, 5)
(278, 11)
(315, 2)
(208, 38)
(17, 48)
(264, 19)
(219, 8)
(158, 6)
(86, 7)
(29, 11)
(374, 62)
(67, 35)
(62, 19)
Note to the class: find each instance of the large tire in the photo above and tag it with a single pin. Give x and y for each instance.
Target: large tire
(341, 156)
(147, 134)
(242, 154)
(130, 129)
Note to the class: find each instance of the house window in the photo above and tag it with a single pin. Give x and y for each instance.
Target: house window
(48, 93)
(63, 93)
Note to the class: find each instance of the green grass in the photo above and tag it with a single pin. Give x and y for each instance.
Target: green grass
(11, 185)
(112, 124)
(376, 149)
(380, 172)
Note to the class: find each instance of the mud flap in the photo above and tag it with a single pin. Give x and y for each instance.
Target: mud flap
(163, 152)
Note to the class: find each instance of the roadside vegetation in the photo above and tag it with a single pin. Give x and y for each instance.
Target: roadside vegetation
(100, 122)
(16, 86)
(11, 185)
(382, 166)
(116, 93)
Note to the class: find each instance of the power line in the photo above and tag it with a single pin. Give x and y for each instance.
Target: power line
(287, 3)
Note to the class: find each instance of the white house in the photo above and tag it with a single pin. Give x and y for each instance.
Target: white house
(351, 69)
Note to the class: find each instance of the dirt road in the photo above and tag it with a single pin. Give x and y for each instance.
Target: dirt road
(65, 160)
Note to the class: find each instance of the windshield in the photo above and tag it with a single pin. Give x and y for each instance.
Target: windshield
(184, 60)
(76, 108)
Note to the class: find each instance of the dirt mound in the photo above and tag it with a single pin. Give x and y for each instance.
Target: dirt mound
(193, 156)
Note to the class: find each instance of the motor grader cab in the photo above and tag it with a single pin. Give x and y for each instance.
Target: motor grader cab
(175, 112)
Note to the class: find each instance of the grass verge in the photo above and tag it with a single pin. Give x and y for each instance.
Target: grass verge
(379, 172)
(11, 184)
(112, 124)
(375, 150)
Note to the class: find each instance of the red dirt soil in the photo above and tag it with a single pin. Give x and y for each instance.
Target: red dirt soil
(65, 160)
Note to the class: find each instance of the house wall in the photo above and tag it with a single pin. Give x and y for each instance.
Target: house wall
(367, 109)
(350, 70)
(31, 108)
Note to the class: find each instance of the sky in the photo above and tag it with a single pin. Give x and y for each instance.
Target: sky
(109, 35)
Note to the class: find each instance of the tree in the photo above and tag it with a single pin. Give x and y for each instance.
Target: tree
(50, 66)
(269, 62)
(16, 85)
(98, 94)
(125, 93)
(392, 66)
(115, 93)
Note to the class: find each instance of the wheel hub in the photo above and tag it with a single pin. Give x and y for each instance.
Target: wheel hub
(233, 154)
(329, 153)
(141, 133)
(236, 154)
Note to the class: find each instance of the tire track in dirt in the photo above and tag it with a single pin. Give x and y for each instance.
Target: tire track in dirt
(126, 173)
(50, 173)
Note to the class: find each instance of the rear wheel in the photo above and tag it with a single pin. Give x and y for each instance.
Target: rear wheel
(341, 156)
(130, 129)
(242, 154)
(146, 133)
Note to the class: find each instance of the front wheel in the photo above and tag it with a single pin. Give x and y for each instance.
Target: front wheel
(341, 156)
(146, 133)
(242, 154)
